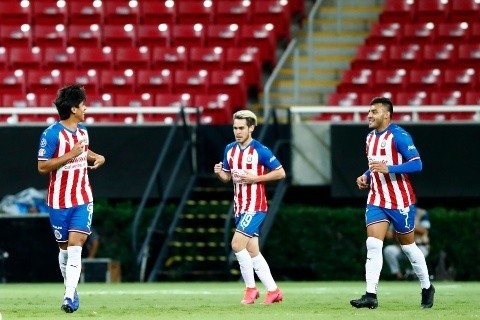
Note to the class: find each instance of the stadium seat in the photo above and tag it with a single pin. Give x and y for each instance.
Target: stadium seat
(463, 10)
(117, 81)
(263, 37)
(404, 56)
(400, 11)
(452, 32)
(439, 55)
(16, 36)
(208, 58)
(232, 82)
(3, 58)
(275, 12)
(87, 78)
(158, 81)
(173, 58)
(187, 35)
(25, 58)
(430, 11)
(472, 98)
(134, 100)
(84, 12)
(468, 55)
(412, 98)
(19, 100)
(425, 79)
(95, 58)
(118, 35)
(157, 12)
(474, 32)
(190, 81)
(193, 12)
(248, 60)
(367, 97)
(43, 81)
(386, 33)
(130, 57)
(48, 36)
(216, 108)
(447, 98)
(98, 101)
(232, 12)
(370, 56)
(49, 12)
(392, 80)
(223, 35)
(356, 80)
(12, 82)
(153, 35)
(169, 100)
(418, 33)
(121, 12)
(81, 36)
(460, 79)
(13, 13)
(345, 99)
(46, 99)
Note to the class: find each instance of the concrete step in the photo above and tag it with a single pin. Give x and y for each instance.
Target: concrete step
(350, 12)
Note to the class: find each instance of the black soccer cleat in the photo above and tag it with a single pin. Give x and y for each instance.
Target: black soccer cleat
(365, 302)
(427, 297)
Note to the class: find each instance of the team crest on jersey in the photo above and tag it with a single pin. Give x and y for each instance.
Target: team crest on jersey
(249, 158)
(43, 142)
(383, 144)
(58, 235)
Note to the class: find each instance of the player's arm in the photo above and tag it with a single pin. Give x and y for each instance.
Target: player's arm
(408, 150)
(97, 159)
(277, 174)
(222, 175)
(46, 166)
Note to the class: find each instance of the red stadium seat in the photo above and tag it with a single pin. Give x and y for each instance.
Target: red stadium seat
(474, 32)
(233, 11)
(95, 58)
(121, 12)
(87, 78)
(260, 36)
(134, 100)
(12, 82)
(49, 12)
(117, 81)
(46, 99)
(208, 58)
(80, 36)
(472, 98)
(216, 108)
(15, 13)
(25, 58)
(418, 33)
(158, 81)
(386, 33)
(84, 12)
(119, 35)
(190, 81)
(447, 98)
(157, 12)
(424, 79)
(346, 99)
(430, 11)
(232, 82)
(439, 55)
(153, 35)
(274, 12)
(128, 58)
(460, 79)
(452, 32)
(397, 11)
(19, 100)
(405, 56)
(3, 58)
(468, 55)
(248, 60)
(370, 56)
(16, 36)
(392, 80)
(50, 36)
(412, 98)
(192, 12)
(187, 35)
(169, 100)
(43, 81)
(98, 101)
(222, 35)
(356, 80)
(463, 10)
(173, 58)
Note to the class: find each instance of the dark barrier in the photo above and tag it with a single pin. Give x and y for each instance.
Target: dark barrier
(448, 154)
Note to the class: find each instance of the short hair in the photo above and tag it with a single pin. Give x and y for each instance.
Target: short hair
(67, 98)
(387, 103)
(247, 115)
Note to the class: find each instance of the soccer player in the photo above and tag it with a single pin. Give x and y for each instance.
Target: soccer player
(391, 156)
(64, 153)
(249, 164)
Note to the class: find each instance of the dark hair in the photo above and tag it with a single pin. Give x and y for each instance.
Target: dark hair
(387, 103)
(69, 97)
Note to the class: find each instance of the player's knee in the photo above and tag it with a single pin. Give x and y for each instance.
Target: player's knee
(374, 244)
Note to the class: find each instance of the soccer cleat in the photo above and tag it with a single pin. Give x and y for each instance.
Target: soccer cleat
(427, 297)
(68, 306)
(365, 302)
(273, 296)
(249, 296)
(76, 301)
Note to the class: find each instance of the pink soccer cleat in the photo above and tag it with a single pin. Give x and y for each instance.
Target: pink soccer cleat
(273, 296)
(250, 295)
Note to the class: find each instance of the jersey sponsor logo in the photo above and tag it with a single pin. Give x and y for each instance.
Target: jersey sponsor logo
(57, 234)
(411, 147)
(41, 152)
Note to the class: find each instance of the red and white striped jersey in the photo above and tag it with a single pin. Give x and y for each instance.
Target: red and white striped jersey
(255, 159)
(69, 185)
(393, 146)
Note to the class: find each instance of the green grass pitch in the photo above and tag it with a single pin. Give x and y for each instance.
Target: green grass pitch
(221, 300)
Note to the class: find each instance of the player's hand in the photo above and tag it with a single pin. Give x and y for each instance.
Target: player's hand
(377, 166)
(78, 148)
(98, 161)
(217, 168)
(362, 182)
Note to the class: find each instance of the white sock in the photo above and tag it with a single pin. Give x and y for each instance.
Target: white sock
(262, 270)
(73, 270)
(62, 262)
(373, 264)
(246, 268)
(417, 259)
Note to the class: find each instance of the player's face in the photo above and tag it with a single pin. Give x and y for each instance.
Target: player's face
(79, 112)
(242, 132)
(378, 117)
